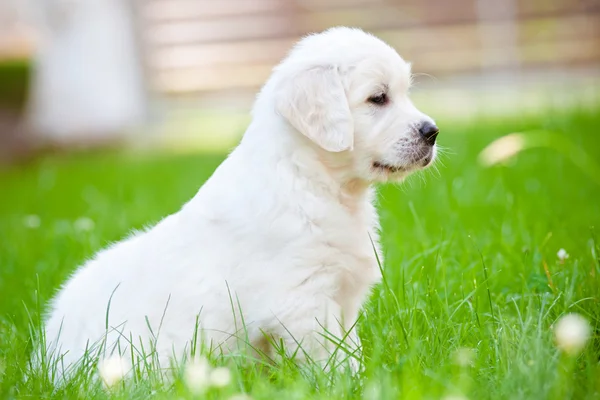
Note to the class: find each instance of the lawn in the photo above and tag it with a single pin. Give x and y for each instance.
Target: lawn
(473, 283)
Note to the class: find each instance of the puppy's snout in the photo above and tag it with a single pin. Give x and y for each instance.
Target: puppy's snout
(429, 132)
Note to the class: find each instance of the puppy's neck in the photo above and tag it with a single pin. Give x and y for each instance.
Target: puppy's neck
(351, 191)
(273, 143)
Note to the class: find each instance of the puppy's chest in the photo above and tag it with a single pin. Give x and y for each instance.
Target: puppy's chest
(348, 241)
(322, 240)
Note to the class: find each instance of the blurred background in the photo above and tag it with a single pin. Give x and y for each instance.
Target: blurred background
(182, 74)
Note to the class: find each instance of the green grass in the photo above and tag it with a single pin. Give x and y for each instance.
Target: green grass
(465, 256)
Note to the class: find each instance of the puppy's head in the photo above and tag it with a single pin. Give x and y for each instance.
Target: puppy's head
(347, 92)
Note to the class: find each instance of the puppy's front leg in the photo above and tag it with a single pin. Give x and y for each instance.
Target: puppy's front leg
(312, 331)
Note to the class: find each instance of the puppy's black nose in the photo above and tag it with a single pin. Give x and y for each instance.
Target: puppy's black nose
(429, 132)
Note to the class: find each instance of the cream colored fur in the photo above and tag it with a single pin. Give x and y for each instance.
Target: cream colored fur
(280, 240)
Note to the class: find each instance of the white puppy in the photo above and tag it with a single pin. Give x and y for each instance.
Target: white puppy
(279, 242)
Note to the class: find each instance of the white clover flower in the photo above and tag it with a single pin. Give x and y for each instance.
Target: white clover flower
(84, 224)
(571, 333)
(196, 375)
(220, 377)
(562, 255)
(455, 397)
(32, 221)
(240, 396)
(502, 149)
(112, 370)
(464, 356)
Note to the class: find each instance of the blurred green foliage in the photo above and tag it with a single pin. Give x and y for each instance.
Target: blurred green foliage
(14, 83)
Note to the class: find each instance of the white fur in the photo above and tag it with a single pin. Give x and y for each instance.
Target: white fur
(280, 239)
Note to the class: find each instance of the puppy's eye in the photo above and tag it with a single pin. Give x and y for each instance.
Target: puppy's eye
(379, 99)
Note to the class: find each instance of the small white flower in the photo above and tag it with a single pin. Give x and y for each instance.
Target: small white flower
(32, 221)
(112, 369)
(196, 375)
(502, 149)
(240, 396)
(455, 397)
(84, 224)
(562, 255)
(464, 356)
(220, 377)
(571, 333)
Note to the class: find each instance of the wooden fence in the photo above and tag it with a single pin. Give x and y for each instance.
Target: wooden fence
(198, 47)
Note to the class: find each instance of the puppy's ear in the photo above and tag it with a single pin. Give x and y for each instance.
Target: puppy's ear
(314, 102)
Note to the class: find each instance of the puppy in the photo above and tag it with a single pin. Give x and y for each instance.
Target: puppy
(279, 245)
